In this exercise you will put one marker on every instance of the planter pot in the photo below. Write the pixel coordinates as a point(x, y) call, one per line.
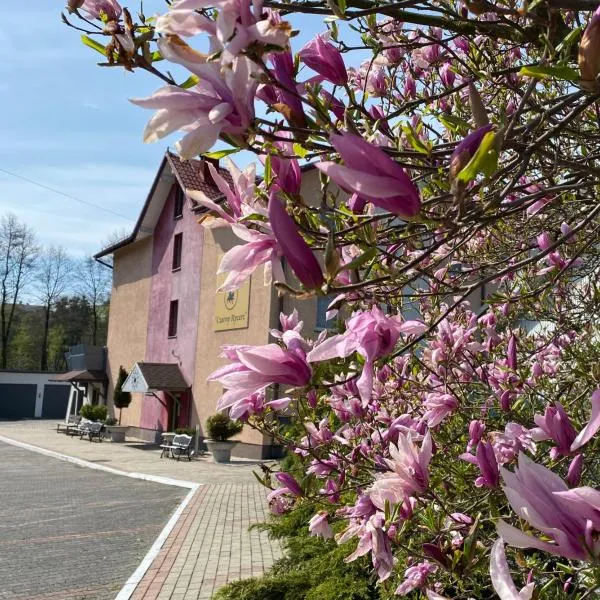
point(221, 451)
point(117, 432)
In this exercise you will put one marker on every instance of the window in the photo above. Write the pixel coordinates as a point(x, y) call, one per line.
point(178, 206)
point(322, 321)
point(173, 311)
point(177, 245)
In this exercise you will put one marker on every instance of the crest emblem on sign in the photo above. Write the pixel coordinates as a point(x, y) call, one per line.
point(231, 299)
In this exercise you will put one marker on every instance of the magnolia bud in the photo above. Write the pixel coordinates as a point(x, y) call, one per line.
point(480, 115)
point(589, 54)
point(73, 5)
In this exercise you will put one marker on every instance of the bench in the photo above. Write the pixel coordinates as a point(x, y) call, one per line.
point(72, 423)
point(95, 431)
point(180, 445)
point(78, 430)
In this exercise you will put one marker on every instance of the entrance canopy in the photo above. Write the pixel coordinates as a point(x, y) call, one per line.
point(82, 377)
point(155, 377)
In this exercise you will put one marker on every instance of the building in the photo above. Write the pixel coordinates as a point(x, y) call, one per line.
point(167, 321)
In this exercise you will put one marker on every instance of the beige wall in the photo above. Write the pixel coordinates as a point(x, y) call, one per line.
point(209, 342)
point(128, 319)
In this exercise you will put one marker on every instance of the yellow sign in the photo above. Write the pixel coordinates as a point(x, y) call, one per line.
point(231, 308)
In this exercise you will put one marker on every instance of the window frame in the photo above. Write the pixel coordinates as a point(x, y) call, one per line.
point(173, 319)
point(177, 252)
point(178, 203)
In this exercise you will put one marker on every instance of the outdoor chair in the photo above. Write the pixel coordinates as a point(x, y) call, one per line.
point(95, 431)
point(78, 430)
point(181, 445)
point(72, 423)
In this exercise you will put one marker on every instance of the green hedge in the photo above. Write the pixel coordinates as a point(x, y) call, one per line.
point(312, 568)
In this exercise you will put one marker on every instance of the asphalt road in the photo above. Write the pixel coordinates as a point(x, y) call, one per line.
point(68, 532)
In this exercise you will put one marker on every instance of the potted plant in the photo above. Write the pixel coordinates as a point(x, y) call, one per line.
point(121, 400)
point(220, 428)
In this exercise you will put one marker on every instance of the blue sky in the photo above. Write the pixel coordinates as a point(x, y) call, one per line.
point(67, 123)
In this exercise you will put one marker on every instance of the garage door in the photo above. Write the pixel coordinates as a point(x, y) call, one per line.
point(17, 400)
point(56, 398)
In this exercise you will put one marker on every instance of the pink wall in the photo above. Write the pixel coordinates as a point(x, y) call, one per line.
point(182, 285)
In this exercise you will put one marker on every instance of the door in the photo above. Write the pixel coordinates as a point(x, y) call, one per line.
point(17, 400)
point(56, 398)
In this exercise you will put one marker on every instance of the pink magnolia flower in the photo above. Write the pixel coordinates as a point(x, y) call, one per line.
point(286, 168)
point(324, 58)
point(253, 404)
point(410, 87)
point(333, 104)
point(590, 430)
point(485, 459)
point(569, 518)
point(500, 576)
point(466, 149)
point(447, 75)
point(369, 172)
point(544, 241)
point(373, 539)
point(408, 473)
point(253, 368)
point(184, 22)
point(239, 23)
point(296, 251)
point(589, 60)
point(319, 526)
point(94, 8)
point(289, 482)
point(511, 355)
point(284, 92)
point(575, 470)
point(370, 333)
point(218, 103)
point(555, 425)
point(240, 197)
point(438, 406)
point(415, 577)
point(241, 261)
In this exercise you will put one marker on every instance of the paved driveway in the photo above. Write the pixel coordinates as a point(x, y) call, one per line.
point(68, 532)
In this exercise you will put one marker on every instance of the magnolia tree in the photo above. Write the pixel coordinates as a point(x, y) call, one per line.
point(449, 426)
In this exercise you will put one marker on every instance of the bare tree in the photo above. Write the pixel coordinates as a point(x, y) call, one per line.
point(94, 285)
point(118, 235)
point(18, 254)
point(52, 282)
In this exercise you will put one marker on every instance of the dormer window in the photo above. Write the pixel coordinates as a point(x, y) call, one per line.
point(178, 205)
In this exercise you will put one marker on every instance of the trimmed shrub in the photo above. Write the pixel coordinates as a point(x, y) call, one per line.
point(220, 427)
point(97, 412)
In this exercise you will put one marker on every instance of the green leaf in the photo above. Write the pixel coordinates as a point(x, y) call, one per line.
point(414, 141)
point(268, 176)
point(157, 56)
point(361, 260)
point(93, 44)
point(569, 39)
point(555, 72)
point(455, 124)
point(219, 154)
point(190, 82)
point(299, 150)
point(485, 160)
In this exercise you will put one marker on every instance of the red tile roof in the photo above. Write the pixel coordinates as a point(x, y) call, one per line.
point(194, 175)
point(191, 175)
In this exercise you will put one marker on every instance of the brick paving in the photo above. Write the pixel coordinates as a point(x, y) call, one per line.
point(210, 544)
point(72, 532)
